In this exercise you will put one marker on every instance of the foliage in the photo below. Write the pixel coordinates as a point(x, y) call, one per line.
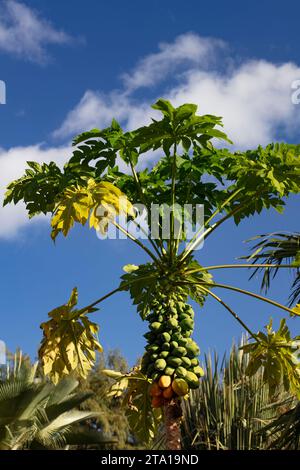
point(111, 419)
point(274, 249)
point(133, 387)
point(39, 415)
point(279, 355)
point(78, 204)
point(70, 340)
point(230, 410)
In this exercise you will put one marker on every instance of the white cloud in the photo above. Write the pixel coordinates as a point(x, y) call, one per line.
point(254, 96)
point(12, 165)
point(24, 33)
point(187, 49)
point(97, 110)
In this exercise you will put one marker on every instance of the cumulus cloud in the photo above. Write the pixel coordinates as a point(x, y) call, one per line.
point(187, 50)
point(12, 166)
point(253, 96)
point(25, 34)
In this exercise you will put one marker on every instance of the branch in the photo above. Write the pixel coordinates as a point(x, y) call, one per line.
point(251, 294)
point(232, 266)
point(235, 316)
point(135, 240)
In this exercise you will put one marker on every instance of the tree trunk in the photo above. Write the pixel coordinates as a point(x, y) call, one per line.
point(173, 415)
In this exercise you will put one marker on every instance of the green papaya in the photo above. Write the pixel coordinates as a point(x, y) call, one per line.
point(172, 323)
point(164, 354)
point(160, 364)
point(166, 337)
point(180, 351)
point(174, 361)
point(181, 371)
point(169, 371)
point(187, 324)
point(192, 379)
point(198, 371)
point(155, 326)
point(186, 362)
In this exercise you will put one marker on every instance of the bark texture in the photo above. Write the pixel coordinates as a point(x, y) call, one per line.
point(173, 416)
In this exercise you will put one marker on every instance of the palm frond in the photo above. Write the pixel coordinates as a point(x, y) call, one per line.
point(277, 248)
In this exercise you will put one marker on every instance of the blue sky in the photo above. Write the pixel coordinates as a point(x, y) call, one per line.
point(68, 69)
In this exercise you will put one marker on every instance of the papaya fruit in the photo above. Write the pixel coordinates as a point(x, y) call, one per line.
point(155, 390)
point(187, 324)
point(164, 381)
point(155, 326)
point(164, 354)
point(160, 364)
point(166, 338)
point(186, 362)
point(180, 351)
point(157, 402)
point(198, 371)
point(180, 387)
point(172, 323)
point(169, 371)
point(174, 361)
point(168, 393)
point(181, 371)
point(192, 379)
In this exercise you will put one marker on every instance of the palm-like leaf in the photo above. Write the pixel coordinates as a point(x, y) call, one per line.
point(277, 248)
point(230, 409)
point(37, 414)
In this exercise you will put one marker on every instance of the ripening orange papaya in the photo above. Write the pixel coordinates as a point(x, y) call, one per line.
point(168, 393)
point(155, 390)
point(164, 381)
point(157, 402)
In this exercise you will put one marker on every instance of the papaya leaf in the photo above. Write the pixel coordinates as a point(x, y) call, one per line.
point(278, 354)
point(70, 341)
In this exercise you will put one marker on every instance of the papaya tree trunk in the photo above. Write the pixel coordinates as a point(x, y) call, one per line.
point(173, 417)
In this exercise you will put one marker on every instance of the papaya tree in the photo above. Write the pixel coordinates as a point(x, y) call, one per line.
point(190, 170)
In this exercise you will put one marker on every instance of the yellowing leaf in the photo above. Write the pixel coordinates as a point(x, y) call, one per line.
point(98, 202)
point(70, 341)
point(296, 310)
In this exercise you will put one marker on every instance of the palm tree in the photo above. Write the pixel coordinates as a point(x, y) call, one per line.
point(35, 414)
point(275, 249)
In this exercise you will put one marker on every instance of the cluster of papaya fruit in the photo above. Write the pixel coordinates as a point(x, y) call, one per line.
point(171, 357)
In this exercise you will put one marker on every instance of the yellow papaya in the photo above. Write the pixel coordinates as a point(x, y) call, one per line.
point(164, 381)
point(180, 387)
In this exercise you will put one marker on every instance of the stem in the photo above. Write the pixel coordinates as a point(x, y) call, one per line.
point(216, 212)
point(143, 199)
point(226, 266)
point(207, 232)
point(148, 238)
point(109, 294)
point(135, 240)
point(251, 294)
point(235, 315)
point(173, 416)
point(173, 188)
